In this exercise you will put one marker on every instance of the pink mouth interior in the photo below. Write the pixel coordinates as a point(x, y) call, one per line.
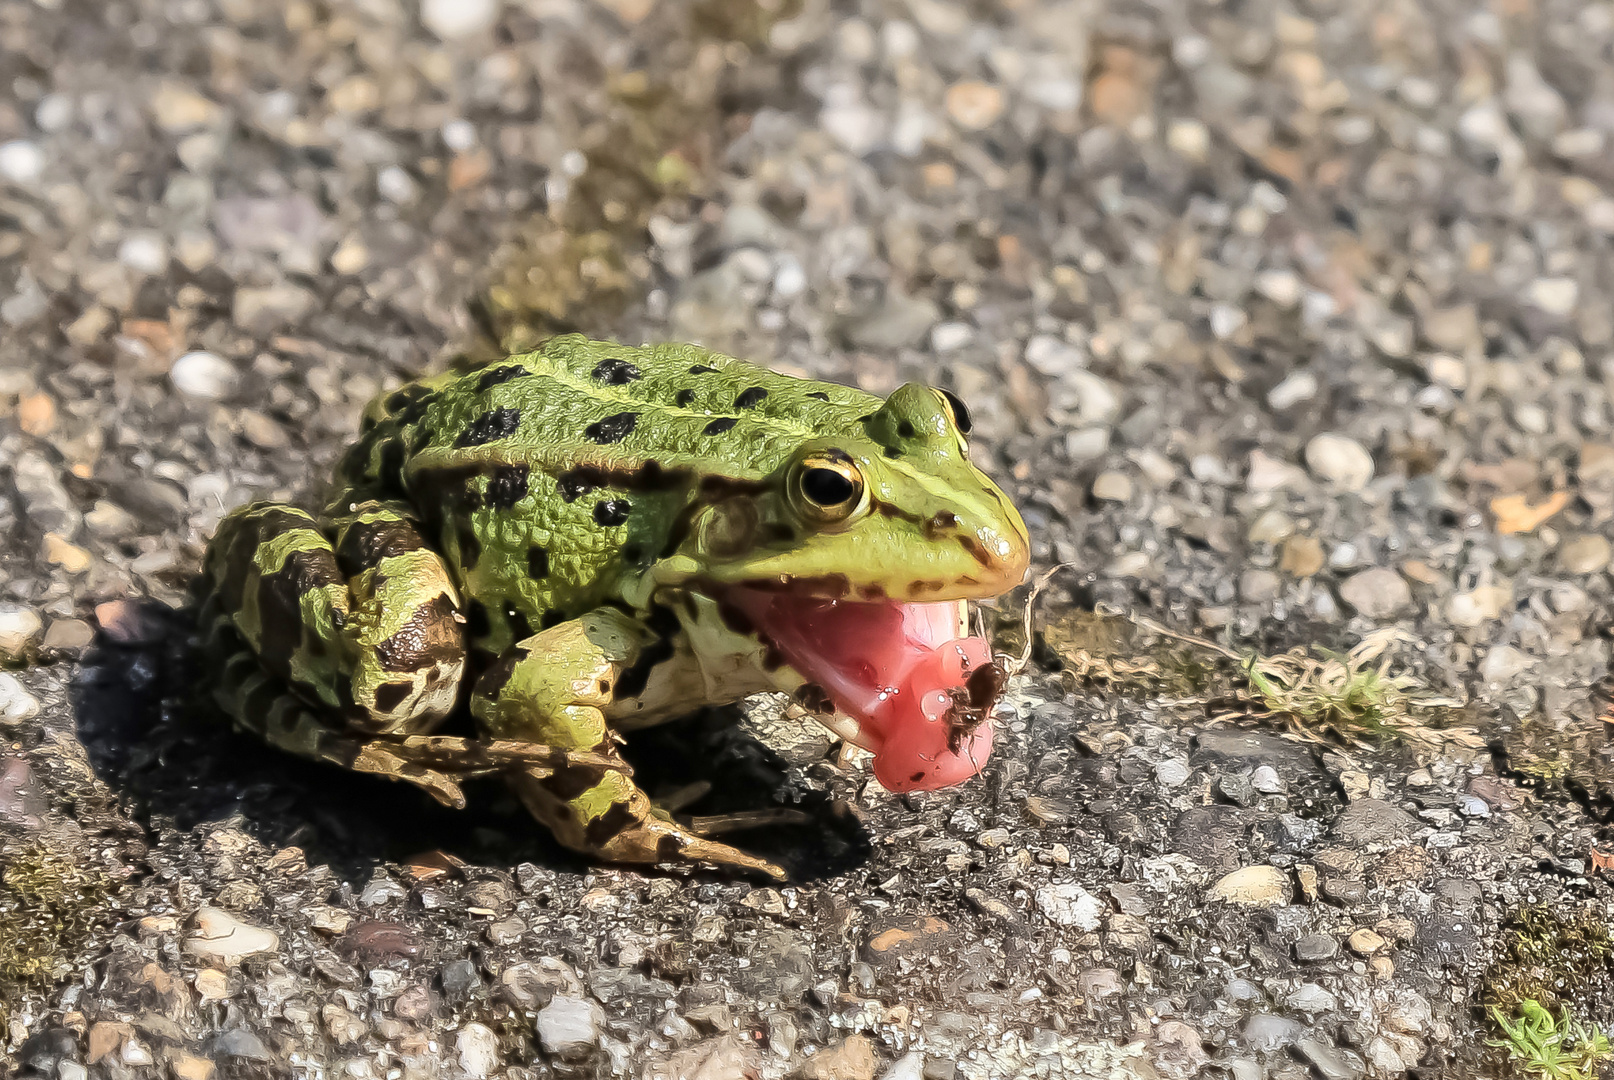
point(889, 666)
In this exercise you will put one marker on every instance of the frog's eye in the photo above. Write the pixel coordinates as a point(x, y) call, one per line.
point(827, 488)
point(961, 413)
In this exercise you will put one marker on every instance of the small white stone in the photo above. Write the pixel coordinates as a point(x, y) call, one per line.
point(1189, 138)
point(569, 1026)
point(1554, 295)
point(1447, 370)
point(910, 1066)
point(1378, 593)
point(16, 703)
point(950, 336)
point(54, 112)
point(450, 19)
point(1252, 886)
point(146, 252)
point(1340, 461)
point(789, 278)
point(1069, 904)
point(1586, 554)
point(1172, 773)
point(223, 938)
point(1578, 143)
point(20, 631)
point(1266, 780)
point(21, 161)
point(1297, 387)
point(478, 1050)
point(1093, 399)
point(1053, 356)
point(459, 135)
point(204, 375)
point(1267, 473)
point(1113, 487)
point(1282, 287)
point(1226, 320)
point(1503, 664)
point(396, 185)
point(1085, 444)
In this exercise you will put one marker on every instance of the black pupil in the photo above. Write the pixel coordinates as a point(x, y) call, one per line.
point(961, 414)
point(826, 487)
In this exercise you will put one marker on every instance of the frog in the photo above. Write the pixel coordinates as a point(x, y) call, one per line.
point(554, 549)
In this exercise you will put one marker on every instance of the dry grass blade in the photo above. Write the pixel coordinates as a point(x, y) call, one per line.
point(1352, 695)
point(1316, 692)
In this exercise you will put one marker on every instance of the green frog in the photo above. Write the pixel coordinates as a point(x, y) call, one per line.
point(590, 538)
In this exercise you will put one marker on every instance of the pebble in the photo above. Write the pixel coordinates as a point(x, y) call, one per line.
point(852, 1059)
point(1172, 773)
point(1190, 138)
point(1587, 553)
point(204, 375)
point(1313, 947)
point(1555, 296)
point(146, 252)
point(21, 630)
point(453, 19)
point(478, 1050)
point(1331, 1063)
point(1311, 998)
point(1053, 356)
point(1298, 387)
point(1268, 1033)
point(186, 1066)
point(68, 634)
point(21, 161)
point(569, 1026)
point(1379, 593)
point(271, 308)
point(1252, 886)
point(1069, 904)
point(240, 1043)
point(1372, 823)
point(212, 985)
point(375, 940)
point(1340, 461)
point(226, 940)
point(69, 556)
point(974, 105)
point(1112, 487)
point(910, 1066)
point(1091, 399)
point(1099, 982)
point(1365, 942)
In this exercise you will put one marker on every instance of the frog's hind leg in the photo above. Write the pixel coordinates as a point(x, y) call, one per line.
point(553, 689)
point(363, 628)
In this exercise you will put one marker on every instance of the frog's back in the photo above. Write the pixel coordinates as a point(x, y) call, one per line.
point(546, 476)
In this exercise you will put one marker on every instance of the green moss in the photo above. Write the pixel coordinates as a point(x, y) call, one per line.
point(1554, 959)
point(1539, 1044)
point(49, 902)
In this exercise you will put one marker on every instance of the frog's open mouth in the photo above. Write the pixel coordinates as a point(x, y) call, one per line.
point(917, 690)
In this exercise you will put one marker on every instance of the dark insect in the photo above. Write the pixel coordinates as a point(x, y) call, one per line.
point(973, 703)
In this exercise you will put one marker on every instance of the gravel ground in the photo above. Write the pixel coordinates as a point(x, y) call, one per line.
point(1286, 325)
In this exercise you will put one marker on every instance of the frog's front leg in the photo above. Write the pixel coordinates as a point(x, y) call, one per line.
point(553, 688)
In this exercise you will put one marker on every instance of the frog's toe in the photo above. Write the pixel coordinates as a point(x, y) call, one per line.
point(655, 839)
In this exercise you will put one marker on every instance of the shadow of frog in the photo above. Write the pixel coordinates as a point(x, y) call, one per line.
point(154, 736)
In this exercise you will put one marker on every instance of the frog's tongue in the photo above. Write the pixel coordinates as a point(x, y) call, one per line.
point(898, 670)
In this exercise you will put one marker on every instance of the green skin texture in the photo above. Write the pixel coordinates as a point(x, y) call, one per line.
point(549, 535)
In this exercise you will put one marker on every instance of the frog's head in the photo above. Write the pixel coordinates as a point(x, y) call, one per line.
point(854, 557)
point(888, 509)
